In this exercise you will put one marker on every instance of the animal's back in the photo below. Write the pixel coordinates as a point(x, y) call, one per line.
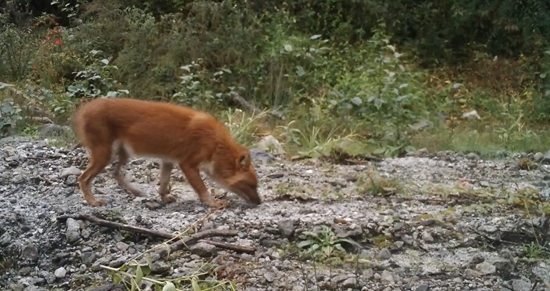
point(112, 116)
point(146, 127)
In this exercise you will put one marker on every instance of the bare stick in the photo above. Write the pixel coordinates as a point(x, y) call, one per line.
point(246, 105)
point(116, 225)
point(193, 239)
point(233, 247)
point(250, 107)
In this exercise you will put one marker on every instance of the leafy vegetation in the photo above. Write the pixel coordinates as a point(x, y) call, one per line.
point(132, 275)
point(392, 77)
point(324, 244)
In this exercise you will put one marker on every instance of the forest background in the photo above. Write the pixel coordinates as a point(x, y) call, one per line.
point(355, 76)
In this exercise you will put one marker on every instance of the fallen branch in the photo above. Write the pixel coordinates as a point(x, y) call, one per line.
point(233, 247)
point(178, 245)
point(193, 239)
point(116, 225)
point(246, 105)
point(251, 107)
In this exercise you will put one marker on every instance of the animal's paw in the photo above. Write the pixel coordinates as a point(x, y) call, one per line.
point(97, 203)
point(167, 199)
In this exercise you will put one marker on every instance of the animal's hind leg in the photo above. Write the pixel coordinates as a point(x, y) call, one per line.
point(165, 170)
point(98, 159)
point(119, 175)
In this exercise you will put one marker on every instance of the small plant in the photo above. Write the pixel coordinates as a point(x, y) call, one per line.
point(526, 164)
point(132, 274)
point(526, 197)
point(535, 251)
point(17, 50)
point(382, 241)
point(314, 135)
point(242, 126)
point(372, 183)
point(96, 80)
point(324, 244)
point(384, 92)
point(10, 112)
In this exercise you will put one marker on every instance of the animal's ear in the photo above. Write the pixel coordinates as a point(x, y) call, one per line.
point(244, 160)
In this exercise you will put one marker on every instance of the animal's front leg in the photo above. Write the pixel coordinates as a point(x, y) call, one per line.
point(195, 180)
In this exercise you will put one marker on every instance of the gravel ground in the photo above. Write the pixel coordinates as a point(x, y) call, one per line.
point(441, 221)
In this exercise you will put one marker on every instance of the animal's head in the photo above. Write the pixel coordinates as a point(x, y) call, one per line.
point(242, 180)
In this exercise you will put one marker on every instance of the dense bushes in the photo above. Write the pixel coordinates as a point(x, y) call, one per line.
point(333, 69)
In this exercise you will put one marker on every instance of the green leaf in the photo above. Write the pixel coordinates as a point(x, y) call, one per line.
point(288, 48)
point(158, 287)
point(410, 149)
point(169, 286)
point(116, 278)
point(139, 274)
point(339, 247)
point(111, 94)
point(314, 247)
point(316, 36)
point(300, 71)
point(6, 108)
point(149, 259)
point(4, 85)
point(195, 284)
point(356, 100)
point(379, 151)
point(146, 270)
point(327, 250)
point(310, 233)
point(304, 243)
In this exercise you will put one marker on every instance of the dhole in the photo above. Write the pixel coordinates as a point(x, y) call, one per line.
point(193, 140)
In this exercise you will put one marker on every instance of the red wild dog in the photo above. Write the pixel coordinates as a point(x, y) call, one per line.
point(194, 140)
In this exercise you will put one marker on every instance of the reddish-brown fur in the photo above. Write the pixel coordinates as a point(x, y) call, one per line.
point(193, 140)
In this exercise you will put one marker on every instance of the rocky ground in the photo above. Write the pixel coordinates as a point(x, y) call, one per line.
point(444, 221)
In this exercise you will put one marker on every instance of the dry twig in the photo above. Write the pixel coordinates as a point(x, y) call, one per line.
point(178, 245)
